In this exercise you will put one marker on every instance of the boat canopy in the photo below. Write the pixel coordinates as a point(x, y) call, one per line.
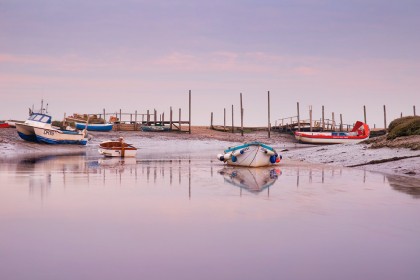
point(40, 118)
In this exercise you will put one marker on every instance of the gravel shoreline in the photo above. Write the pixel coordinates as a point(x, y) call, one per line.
point(395, 161)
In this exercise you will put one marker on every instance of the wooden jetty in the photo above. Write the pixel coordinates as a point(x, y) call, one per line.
point(134, 121)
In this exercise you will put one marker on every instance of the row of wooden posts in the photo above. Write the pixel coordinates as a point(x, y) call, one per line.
point(147, 121)
point(324, 124)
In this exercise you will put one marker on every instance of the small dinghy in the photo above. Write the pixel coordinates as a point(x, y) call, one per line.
point(253, 154)
point(117, 149)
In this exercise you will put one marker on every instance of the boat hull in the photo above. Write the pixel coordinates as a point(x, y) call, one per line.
point(328, 138)
point(254, 154)
point(26, 132)
point(254, 180)
point(4, 125)
point(95, 127)
point(54, 136)
point(155, 128)
point(115, 149)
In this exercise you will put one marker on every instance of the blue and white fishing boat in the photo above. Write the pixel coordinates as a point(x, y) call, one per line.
point(252, 154)
point(57, 136)
point(26, 129)
point(95, 127)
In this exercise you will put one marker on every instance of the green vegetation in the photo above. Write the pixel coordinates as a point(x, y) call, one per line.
point(405, 126)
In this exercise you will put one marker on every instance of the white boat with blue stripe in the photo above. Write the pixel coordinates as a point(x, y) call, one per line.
point(26, 130)
point(56, 136)
point(252, 154)
point(95, 126)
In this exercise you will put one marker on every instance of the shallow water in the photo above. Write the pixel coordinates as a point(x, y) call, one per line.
point(181, 217)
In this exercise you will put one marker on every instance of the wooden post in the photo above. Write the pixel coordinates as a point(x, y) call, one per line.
point(148, 117)
point(401, 115)
point(333, 122)
point(341, 122)
point(224, 119)
point(310, 118)
point(233, 128)
point(131, 118)
point(364, 112)
point(323, 118)
point(385, 127)
point(414, 110)
point(163, 118)
point(120, 116)
point(298, 116)
point(135, 121)
point(211, 120)
point(64, 120)
point(189, 113)
point(179, 119)
point(268, 124)
point(242, 117)
point(170, 118)
point(104, 115)
point(155, 116)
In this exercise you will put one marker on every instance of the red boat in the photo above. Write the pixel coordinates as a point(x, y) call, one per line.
point(4, 125)
point(359, 133)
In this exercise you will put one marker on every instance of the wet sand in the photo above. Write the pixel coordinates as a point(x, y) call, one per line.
point(155, 145)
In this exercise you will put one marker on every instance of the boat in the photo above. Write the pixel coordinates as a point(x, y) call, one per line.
point(12, 123)
point(360, 132)
point(117, 149)
point(58, 136)
point(95, 126)
point(253, 180)
point(36, 120)
point(4, 124)
point(252, 154)
point(156, 128)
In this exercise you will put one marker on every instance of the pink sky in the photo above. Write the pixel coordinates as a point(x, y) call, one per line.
point(134, 55)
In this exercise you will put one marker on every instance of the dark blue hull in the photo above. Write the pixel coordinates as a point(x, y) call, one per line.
point(30, 138)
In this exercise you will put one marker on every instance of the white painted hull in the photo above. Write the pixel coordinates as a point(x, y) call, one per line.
point(336, 140)
point(117, 153)
point(54, 136)
point(253, 156)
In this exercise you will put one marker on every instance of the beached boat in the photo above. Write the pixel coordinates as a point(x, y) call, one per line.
point(117, 149)
point(12, 123)
point(156, 128)
point(26, 130)
point(359, 133)
point(4, 124)
point(252, 154)
point(95, 126)
point(57, 136)
point(253, 180)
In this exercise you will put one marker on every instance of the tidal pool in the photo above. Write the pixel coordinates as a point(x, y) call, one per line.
point(84, 217)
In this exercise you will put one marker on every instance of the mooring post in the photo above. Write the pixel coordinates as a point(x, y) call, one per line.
point(341, 122)
point(332, 122)
point(323, 118)
point(385, 127)
point(310, 118)
point(414, 110)
point(120, 116)
point(104, 115)
point(179, 119)
point(170, 118)
point(211, 120)
point(298, 116)
point(135, 121)
point(242, 117)
point(233, 128)
point(268, 125)
point(224, 119)
point(364, 112)
point(189, 113)
point(401, 115)
point(163, 118)
point(148, 117)
point(155, 116)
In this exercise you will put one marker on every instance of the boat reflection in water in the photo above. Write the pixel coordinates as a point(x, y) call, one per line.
point(254, 180)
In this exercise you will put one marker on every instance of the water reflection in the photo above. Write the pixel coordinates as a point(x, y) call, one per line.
point(254, 180)
point(406, 185)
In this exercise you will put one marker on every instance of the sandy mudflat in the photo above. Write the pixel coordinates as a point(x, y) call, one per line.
point(405, 162)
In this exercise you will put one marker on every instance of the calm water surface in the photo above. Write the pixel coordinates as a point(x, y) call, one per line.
point(83, 217)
